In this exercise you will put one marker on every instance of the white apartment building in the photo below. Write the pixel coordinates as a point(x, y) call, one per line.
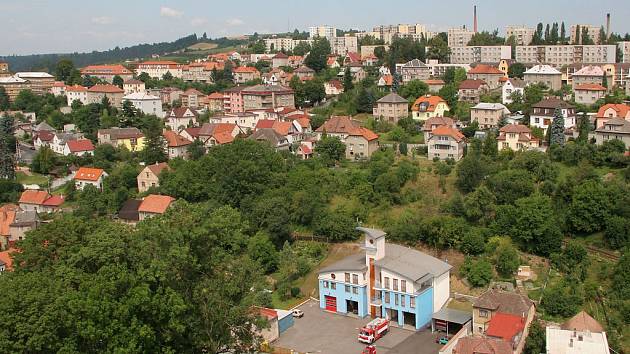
point(147, 104)
point(459, 37)
point(287, 44)
point(480, 54)
point(437, 69)
point(345, 44)
point(327, 32)
point(559, 55)
point(157, 69)
point(522, 34)
point(593, 32)
point(624, 48)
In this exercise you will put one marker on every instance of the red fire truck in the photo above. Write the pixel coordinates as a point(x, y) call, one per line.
point(374, 330)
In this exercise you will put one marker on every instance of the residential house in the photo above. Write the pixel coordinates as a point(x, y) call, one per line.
point(370, 60)
point(58, 143)
point(131, 138)
point(133, 86)
point(129, 213)
point(200, 71)
point(543, 112)
point(6, 261)
point(193, 98)
point(79, 147)
point(501, 314)
point(76, 93)
point(279, 60)
point(591, 74)
point(482, 345)
point(153, 205)
point(97, 93)
point(360, 142)
point(613, 128)
point(244, 74)
point(271, 136)
point(176, 145)
point(42, 138)
point(145, 103)
point(215, 102)
point(351, 58)
point(288, 129)
point(333, 88)
point(246, 121)
point(511, 86)
point(389, 281)
point(295, 61)
point(170, 94)
point(333, 62)
point(488, 115)
point(544, 74)
point(435, 85)
point(39, 201)
point(580, 334)
point(428, 106)
point(180, 118)
point(15, 223)
point(517, 137)
point(385, 82)
point(150, 176)
point(304, 73)
point(471, 90)
point(158, 68)
point(277, 77)
point(89, 176)
point(58, 89)
point(107, 72)
point(356, 71)
point(487, 73)
point(212, 134)
point(445, 143)
point(265, 96)
point(589, 93)
point(391, 108)
point(305, 150)
point(413, 70)
point(434, 122)
point(39, 82)
point(611, 110)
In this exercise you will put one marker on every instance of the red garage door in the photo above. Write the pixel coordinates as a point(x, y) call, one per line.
point(331, 303)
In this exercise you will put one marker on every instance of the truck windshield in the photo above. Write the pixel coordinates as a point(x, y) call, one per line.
point(365, 333)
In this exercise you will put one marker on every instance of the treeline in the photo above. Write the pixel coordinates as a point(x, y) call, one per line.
point(48, 61)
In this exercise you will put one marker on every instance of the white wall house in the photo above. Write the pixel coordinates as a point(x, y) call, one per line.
point(147, 104)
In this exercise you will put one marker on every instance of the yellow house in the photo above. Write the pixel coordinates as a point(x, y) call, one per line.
point(517, 137)
point(130, 138)
point(428, 106)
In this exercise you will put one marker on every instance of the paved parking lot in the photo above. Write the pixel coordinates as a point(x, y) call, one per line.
point(322, 332)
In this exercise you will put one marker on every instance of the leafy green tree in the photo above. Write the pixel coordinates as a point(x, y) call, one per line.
point(347, 80)
point(10, 191)
point(589, 207)
point(301, 48)
point(438, 49)
point(486, 38)
point(536, 341)
point(561, 299)
point(572, 260)
point(506, 260)
point(365, 100)
point(261, 249)
point(318, 57)
point(516, 70)
point(63, 70)
point(259, 47)
point(449, 93)
point(454, 76)
point(556, 130)
point(196, 150)
point(336, 225)
point(617, 232)
point(4, 99)
point(315, 91)
point(563, 34)
point(414, 89)
point(510, 185)
point(331, 149)
point(7, 148)
point(470, 172)
point(473, 242)
point(490, 146)
point(480, 205)
point(118, 81)
point(44, 161)
point(478, 273)
point(443, 232)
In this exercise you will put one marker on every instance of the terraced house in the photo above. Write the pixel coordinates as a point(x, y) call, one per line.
point(388, 281)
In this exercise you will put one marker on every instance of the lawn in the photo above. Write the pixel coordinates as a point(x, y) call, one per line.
point(34, 178)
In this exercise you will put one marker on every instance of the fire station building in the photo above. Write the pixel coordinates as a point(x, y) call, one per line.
point(389, 281)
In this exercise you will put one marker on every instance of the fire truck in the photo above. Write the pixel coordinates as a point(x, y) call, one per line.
point(374, 330)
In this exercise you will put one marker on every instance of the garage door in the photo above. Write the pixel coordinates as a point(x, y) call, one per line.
point(331, 303)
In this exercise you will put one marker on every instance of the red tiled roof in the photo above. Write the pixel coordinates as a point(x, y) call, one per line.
point(34, 197)
point(621, 109)
point(282, 128)
point(54, 201)
point(193, 132)
point(434, 82)
point(306, 150)
point(105, 89)
point(157, 168)
point(589, 87)
point(245, 69)
point(482, 345)
point(445, 130)
point(105, 70)
point(155, 204)
point(431, 99)
point(7, 216)
point(88, 174)
point(344, 124)
point(192, 91)
point(5, 257)
point(268, 313)
point(264, 123)
point(174, 140)
point(471, 84)
point(515, 128)
point(336, 84)
point(45, 135)
point(215, 96)
point(159, 62)
point(485, 69)
point(353, 56)
point(280, 55)
point(76, 88)
point(80, 145)
point(506, 326)
point(389, 79)
point(223, 137)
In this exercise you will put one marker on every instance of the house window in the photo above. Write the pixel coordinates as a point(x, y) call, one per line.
point(395, 284)
point(355, 290)
point(483, 313)
point(403, 286)
point(387, 298)
point(347, 275)
point(412, 302)
point(402, 300)
point(355, 279)
point(347, 288)
point(326, 284)
point(386, 282)
point(333, 286)
point(396, 299)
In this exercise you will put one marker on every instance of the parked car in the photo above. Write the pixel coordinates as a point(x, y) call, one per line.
point(298, 313)
point(442, 340)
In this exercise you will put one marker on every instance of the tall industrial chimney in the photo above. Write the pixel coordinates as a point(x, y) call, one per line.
point(608, 25)
point(475, 19)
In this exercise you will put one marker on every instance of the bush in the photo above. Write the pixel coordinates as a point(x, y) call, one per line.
point(561, 300)
point(478, 273)
point(617, 232)
point(295, 291)
point(473, 242)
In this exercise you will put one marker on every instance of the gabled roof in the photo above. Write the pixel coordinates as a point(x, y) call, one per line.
point(80, 145)
point(129, 210)
point(45, 135)
point(516, 82)
point(482, 345)
point(621, 110)
point(345, 125)
point(215, 96)
point(34, 197)
point(180, 112)
point(434, 82)
point(353, 57)
point(54, 201)
point(552, 103)
point(502, 301)
point(505, 326)
point(543, 69)
point(410, 263)
point(105, 89)
point(589, 87)
point(88, 174)
point(43, 126)
point(6, 259)
point(471, 84)
point(336, 84)
point(582, 322)
point(245, 69)
point(193, 92)
point(140, 96)
point(392, 98)
point(515, 128)
point(387, 79)
point(121, 133)
point(175, 140)
point(115, 69)
point(485, 69)
point(445, 130)
point(157, 168)
point(429, 123)
point(270, 135)
point(414, 63)
point(492, 107)
point(155, 204)
point(76, 88)
point(133, 82)
point(304, 69)
point(264, 123)
point(209, 129)
point(624, 126)
point(280, 55)
point(427, 103)
point(7, 217)
point(590, 70)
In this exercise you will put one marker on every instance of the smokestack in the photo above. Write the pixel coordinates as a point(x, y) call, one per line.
point(608, 25)
point(475, 19)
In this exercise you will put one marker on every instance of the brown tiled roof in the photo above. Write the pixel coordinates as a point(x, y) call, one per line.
point(155, 204)
point(471, 84)
point(485, 69)
point(482, 345)
point(432, 101)
point(88, 174)
point(502, 301)
point(445, 130)
point(582, 322)
point(429, 123)
point(589, 87)
point(179, 112)
point(344, 124)
point(122, 133)
point(174, 140)
point(105, 89)
point(553, 103)
point(34, 197)
point(515, 128)
point(157, 168)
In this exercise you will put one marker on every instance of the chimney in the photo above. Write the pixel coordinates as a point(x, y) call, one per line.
point(475, 19)
point(608, 25)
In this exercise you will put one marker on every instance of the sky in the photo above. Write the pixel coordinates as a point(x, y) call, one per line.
point(63, 26)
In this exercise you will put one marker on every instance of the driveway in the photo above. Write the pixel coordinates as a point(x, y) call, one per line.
point(323, 332)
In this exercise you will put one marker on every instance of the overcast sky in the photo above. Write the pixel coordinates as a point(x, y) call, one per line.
point(59, 26)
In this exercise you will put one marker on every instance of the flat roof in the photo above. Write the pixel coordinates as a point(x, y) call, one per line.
point(453, 316)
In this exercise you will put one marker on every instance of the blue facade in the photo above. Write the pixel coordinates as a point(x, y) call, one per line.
point(285, 322)
point(423, 307)
point(342, 295)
